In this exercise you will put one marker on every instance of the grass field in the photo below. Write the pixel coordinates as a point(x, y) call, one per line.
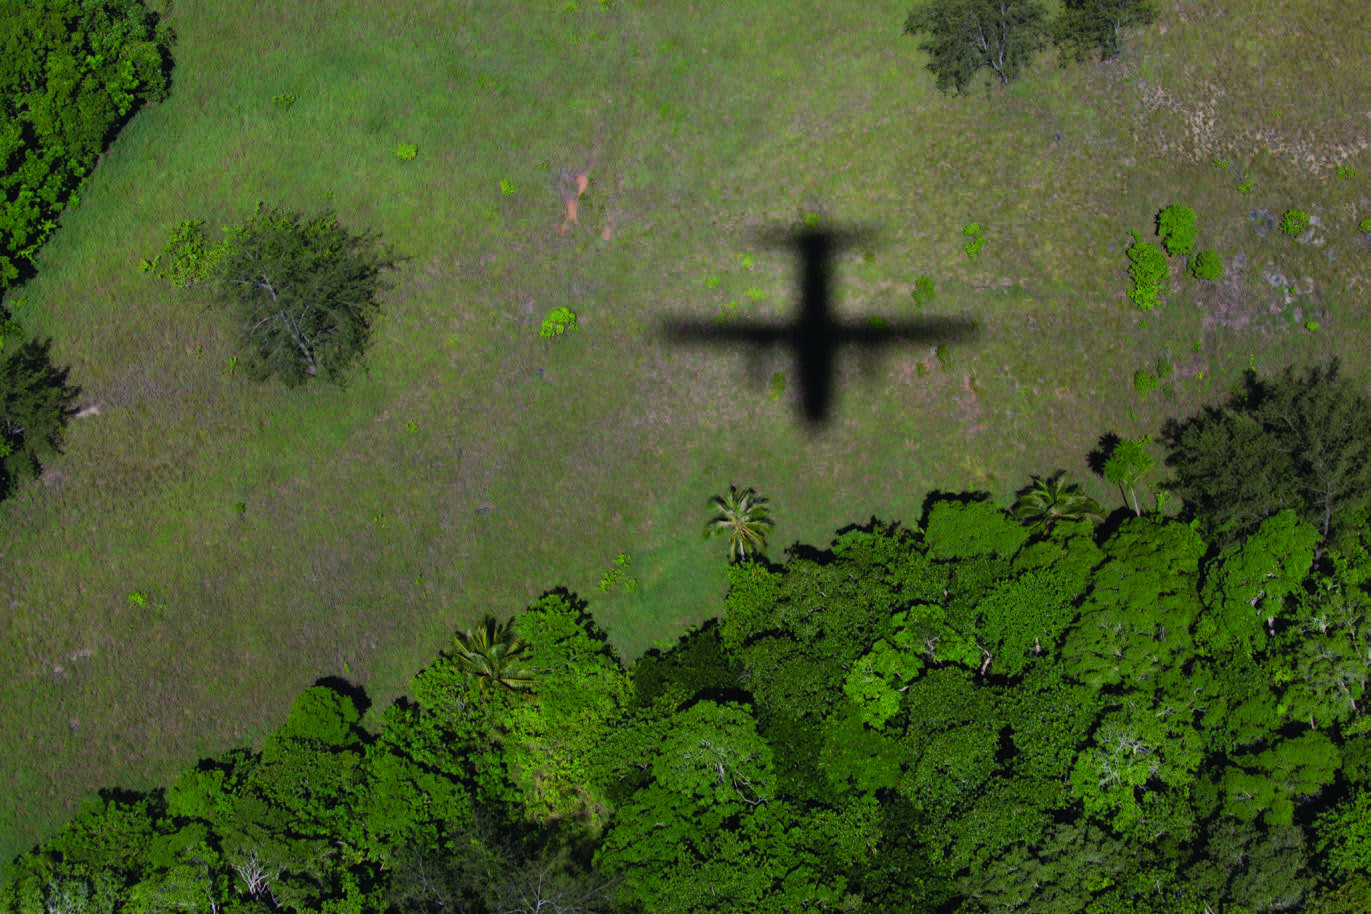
point(475, 465)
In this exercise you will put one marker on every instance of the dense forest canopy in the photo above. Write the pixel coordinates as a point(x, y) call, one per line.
point(954, 716)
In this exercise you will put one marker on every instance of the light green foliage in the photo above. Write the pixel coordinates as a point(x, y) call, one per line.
point(323, 714)
point(1294, 222)
point(1149, 272)
point(1345, 834)
point(1269, 783)
point(1023, 618)
point(1137, 753)
point(189, 257)
point(957, 529)
point(1364, 225)
point(1135, 623)
point(976, 240)
point(1207, 265)
point(875, 682)
point(1127, 463)
point(1324, 659)
point(581, 689)
point(754, 593)
point(1176, 226)
point(558, 322)
point(1144, 382)
point(1245, 590)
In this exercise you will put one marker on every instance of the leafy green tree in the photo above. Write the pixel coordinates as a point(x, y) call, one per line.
point(964, 37)
point(35, 403)
point(1344, 834)
point(958, 528)
point(581, 691)
point(1046, 502)
point(490, 655)
point(1254, 869)
point(1287, 442)
point(1088, 26)
point(1247, 588)
point(745, 518)
point(1270, 782)
point(1127, 463)
point(303, 289)
point(1176, 226)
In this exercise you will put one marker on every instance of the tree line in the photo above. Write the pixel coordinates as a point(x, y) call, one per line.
point(1001, 38)
point(979, 712)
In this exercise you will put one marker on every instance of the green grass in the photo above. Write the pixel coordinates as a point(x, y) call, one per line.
point(694, 137)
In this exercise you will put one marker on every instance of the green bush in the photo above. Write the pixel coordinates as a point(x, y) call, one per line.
point(1149, 271)
point(923, 291)
point(1364, 225)
point(1176, 226)
point(1144, 382)
point(1207, 265)
point(1294, 221)
point(558, 322)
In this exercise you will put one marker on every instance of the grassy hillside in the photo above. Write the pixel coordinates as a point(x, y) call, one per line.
point(476, 465)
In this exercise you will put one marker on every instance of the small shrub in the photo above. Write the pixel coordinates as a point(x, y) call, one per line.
point(1346, 171)
point(1164, 366)
point(406, 151)
point(1311, 325)
point(1144, 382)
point(973, 247)
point(284, 100)
point(1294, 221)
point(923, 291)
point(1245, 187)
point(1207, 265)
point(1148, 271)
point(1364, 225)
point(507, 187)
point(1176, 226)
point(558, 322)
point(1220, 163)
point(776, 389)
point(943, 356)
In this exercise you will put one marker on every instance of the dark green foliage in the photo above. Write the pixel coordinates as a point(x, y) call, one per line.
point(1207, 265)
point(303, 290)
point(35, 403)
point(1285, 442)
point(964, 37)
point(1086, 27)
point(71, 73)
point(1176, 227)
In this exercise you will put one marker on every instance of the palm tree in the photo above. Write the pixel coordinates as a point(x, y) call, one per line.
point(488, 655)
point(745, 518)
point(1049, 500)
